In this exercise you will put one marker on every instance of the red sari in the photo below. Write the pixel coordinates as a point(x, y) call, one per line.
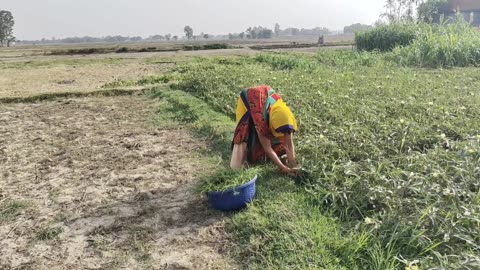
point(257, 101)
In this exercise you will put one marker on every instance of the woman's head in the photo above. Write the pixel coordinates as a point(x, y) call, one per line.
point(282, 118)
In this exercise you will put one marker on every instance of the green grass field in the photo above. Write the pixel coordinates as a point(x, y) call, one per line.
point(394, 153)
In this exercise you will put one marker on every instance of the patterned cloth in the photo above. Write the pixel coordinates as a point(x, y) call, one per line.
point(261, 110)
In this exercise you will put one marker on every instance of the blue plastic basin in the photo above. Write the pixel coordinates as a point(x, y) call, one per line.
point(235, 198)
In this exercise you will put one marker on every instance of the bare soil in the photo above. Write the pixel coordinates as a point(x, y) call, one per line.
point(94, 183)
point(24, 82)
point(15, 56)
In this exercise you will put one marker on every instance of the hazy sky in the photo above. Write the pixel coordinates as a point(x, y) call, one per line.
point(64, 18)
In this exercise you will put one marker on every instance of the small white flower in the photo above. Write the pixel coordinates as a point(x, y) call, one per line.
point(446, 237)
point(369, 221)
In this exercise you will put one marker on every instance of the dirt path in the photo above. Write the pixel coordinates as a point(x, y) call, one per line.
point(93, 183)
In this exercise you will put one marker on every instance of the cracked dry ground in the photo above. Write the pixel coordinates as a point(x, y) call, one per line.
point(94, 183)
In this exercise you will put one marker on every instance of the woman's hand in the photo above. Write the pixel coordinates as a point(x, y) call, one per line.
point(292, 163)
point(288, 163)
point(267, 147)
point(289, 171)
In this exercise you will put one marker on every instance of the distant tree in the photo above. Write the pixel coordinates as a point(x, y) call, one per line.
point(206, 36)
point(431, 10)
point(168, 37)
point(188, 32)
point(11, 40)
point(251, 33)
point(259, 32)
point(175, 38)
point(107, 39)
point(317, 31)
point(354, 28)
point(230, 36)
point(112, 39)
point(156, 37)
point(136, 39)
point(295, 31)
point(277, 30)
point(265, 33)
point(400, 10)
point(241, 35)
point(6, 27)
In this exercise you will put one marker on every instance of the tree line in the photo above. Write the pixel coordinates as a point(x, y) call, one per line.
point(255, 32)
point(396, 10)
point(259, 32)
point(107, 39)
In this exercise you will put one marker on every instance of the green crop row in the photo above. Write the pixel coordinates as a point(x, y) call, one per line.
point(394, 154)
point(448, 44)
point(386, 38)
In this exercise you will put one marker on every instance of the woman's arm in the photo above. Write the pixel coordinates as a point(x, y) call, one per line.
point(267, 147)
point(290, 147)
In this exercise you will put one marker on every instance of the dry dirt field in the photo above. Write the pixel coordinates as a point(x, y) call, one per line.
point(23, 82)
point(26, 75)
point(92, 183)
point(97, 182)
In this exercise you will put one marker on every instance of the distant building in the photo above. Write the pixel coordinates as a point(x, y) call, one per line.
point(470, 9)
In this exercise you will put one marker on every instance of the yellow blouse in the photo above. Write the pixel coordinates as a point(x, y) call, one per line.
point(281, 118)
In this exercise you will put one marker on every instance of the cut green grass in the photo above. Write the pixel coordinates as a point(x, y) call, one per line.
point(226, 179)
